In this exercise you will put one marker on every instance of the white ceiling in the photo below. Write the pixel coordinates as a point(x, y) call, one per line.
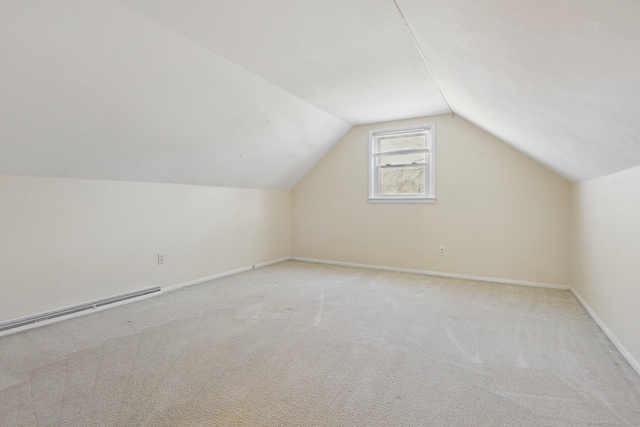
point(557, 79)
point(253, 93)
point(354, 59)
point(94, 90)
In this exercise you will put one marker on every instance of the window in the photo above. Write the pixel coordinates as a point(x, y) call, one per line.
point(401, 165)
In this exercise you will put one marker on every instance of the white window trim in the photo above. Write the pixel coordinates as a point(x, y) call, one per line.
point(373, 198)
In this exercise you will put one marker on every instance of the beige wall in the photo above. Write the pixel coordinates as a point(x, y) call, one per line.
point(499, 213)
point(67, 241)
point(606, 253)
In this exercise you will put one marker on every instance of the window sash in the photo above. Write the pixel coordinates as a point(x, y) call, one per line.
point(401, 165)
point(410, 151)
point(379, 162)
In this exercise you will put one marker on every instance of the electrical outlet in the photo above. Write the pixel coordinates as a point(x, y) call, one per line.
point(442, 251)
point(160, 259)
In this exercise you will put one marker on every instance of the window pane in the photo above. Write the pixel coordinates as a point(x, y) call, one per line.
point(402, 180)
point(401, 159)
point(403, 142)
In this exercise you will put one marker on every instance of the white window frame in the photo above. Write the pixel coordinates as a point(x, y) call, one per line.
point(430, 178)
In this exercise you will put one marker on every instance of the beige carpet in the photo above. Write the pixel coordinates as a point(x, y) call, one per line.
point(299, 344)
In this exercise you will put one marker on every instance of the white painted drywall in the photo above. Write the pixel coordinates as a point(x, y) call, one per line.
point(606, 252)
point(556, 79)
point(140, 90)
point(68, 241)
point(94, 90)
point(498, 213)
point(352, 58)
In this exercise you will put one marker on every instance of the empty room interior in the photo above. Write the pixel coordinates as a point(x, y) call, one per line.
point(319, 213)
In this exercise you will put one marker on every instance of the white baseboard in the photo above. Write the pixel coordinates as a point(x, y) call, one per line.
point(164, 290)
point(436, 273)
point(219, 275)
point(614, 340)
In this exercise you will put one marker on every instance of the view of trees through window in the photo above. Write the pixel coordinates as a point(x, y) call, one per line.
point(404, 180)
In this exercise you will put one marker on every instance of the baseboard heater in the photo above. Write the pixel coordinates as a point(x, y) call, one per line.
point(12, 324)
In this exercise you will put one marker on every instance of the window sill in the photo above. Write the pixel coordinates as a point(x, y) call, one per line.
point(402, 200)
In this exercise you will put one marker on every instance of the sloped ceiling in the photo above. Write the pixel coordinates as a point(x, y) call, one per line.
point(352, 58)
point(253, 93)
point(90, 89)
point(557, 79)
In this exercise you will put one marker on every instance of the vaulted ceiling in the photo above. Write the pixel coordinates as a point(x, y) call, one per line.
point(253, 93)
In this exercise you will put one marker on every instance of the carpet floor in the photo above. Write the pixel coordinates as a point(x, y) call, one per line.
point(301, 344)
